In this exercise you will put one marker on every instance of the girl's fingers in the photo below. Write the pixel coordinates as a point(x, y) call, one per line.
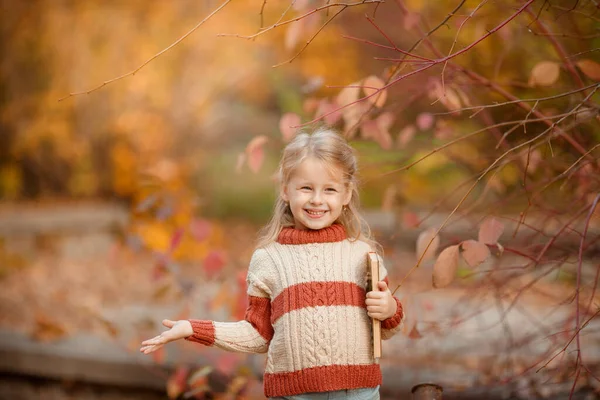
point(168, 323)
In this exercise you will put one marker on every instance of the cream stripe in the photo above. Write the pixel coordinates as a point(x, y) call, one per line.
point(349, 350)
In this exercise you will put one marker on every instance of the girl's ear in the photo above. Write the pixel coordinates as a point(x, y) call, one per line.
point(283, 193)
point(349, 190)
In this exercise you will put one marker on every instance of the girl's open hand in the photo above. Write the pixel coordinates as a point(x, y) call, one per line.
point(381, 304)
point(178, 330)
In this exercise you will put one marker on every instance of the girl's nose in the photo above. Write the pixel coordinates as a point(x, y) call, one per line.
point(316, 198)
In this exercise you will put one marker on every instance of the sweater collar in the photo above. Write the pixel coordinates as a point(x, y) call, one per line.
point(330, 234)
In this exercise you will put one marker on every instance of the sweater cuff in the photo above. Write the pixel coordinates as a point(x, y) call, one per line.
point(395, 319)
point(204, 332)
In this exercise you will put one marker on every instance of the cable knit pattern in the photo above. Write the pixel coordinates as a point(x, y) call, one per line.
point(307, 309)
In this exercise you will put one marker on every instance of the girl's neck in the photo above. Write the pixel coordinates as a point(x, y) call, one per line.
point(330, 234)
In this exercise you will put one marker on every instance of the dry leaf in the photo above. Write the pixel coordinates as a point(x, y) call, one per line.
point(544, 73)
point(414, 333)
point(288, 125)
point(590, 68)
point(255, 152)
point(330, 110)
point(423, 241)
point(474, 252)
point(445, 267)
point(405, 136)
point(293, 34)
point(176, 384)
point(348, 95)
point(371, 85)
point(490, 231)
point(47, 329)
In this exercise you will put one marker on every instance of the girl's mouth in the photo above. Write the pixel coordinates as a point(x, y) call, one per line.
point(315, 213)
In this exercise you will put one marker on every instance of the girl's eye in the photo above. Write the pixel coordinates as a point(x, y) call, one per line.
point(330, 190)
point(305, 188)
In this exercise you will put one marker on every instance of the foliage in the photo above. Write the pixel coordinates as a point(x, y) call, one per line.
point(481, 109)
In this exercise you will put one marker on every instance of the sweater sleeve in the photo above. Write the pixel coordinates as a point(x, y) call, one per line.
point(393, 324)
point(254, 332)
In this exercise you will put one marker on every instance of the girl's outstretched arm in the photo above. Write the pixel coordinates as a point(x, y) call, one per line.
point(177, 330)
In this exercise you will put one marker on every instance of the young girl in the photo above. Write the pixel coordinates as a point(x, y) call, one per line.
point(308, 307)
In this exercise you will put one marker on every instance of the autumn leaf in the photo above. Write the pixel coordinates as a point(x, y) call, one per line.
point(214, 262)
point(423, 241)
point(490, 231)
point(200, 229)
point(330, 110)
point(199, 378)
point(256, 153)
point(348, 95)
point(47, 329)
point(288, 125)
point(590, 68)
point(372, 85)
point(176, 384)
point(410, 219)
point(544, 73)
point(474, 252)
point(414, 333)
point(405, 136)
point(424, 121)
point(293, 34)
point(445, 95)
point(445, 267)
point(176, 239)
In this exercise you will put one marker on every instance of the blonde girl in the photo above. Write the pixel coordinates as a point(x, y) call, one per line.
point(308, 306)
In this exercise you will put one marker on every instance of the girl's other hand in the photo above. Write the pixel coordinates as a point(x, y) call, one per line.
point(178, 330)
point(381, 304)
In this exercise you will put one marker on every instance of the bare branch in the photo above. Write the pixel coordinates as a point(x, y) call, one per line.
point(154, 56)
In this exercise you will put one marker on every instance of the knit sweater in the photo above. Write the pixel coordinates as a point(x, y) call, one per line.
point(307, 310)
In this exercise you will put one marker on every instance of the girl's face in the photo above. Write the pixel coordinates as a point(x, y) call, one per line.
point(316, 193)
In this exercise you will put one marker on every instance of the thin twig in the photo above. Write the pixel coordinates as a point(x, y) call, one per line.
point(154, 56)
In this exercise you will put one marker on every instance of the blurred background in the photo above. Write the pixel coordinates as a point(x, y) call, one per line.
point(126, 198)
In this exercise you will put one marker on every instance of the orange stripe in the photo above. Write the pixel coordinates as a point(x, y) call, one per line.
point(313, 294)
point(322, 379)
point(258, 314)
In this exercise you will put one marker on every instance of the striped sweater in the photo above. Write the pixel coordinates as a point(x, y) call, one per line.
point(307, 310)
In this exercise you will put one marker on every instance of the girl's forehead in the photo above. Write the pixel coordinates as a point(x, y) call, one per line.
point(315, 169)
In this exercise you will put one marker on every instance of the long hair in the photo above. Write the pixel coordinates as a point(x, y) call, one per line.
point(333, 150)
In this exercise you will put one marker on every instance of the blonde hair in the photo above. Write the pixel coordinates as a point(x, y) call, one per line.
point(332, 149)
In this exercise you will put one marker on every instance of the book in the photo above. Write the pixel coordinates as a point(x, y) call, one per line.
point(373, 278)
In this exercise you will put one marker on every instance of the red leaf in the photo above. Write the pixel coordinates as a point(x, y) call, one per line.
point(200, 229)
point(490, 231)
point(414, 333)
point(423, 241)
point(425, 121)
point(176, 239)
point(445, 267)
point(373, 130)
point(256, 153)
point(287, 125)
point(474, 252)
point(214, 262)
point(176, 384)
point(410, 220)
point(590, 68)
